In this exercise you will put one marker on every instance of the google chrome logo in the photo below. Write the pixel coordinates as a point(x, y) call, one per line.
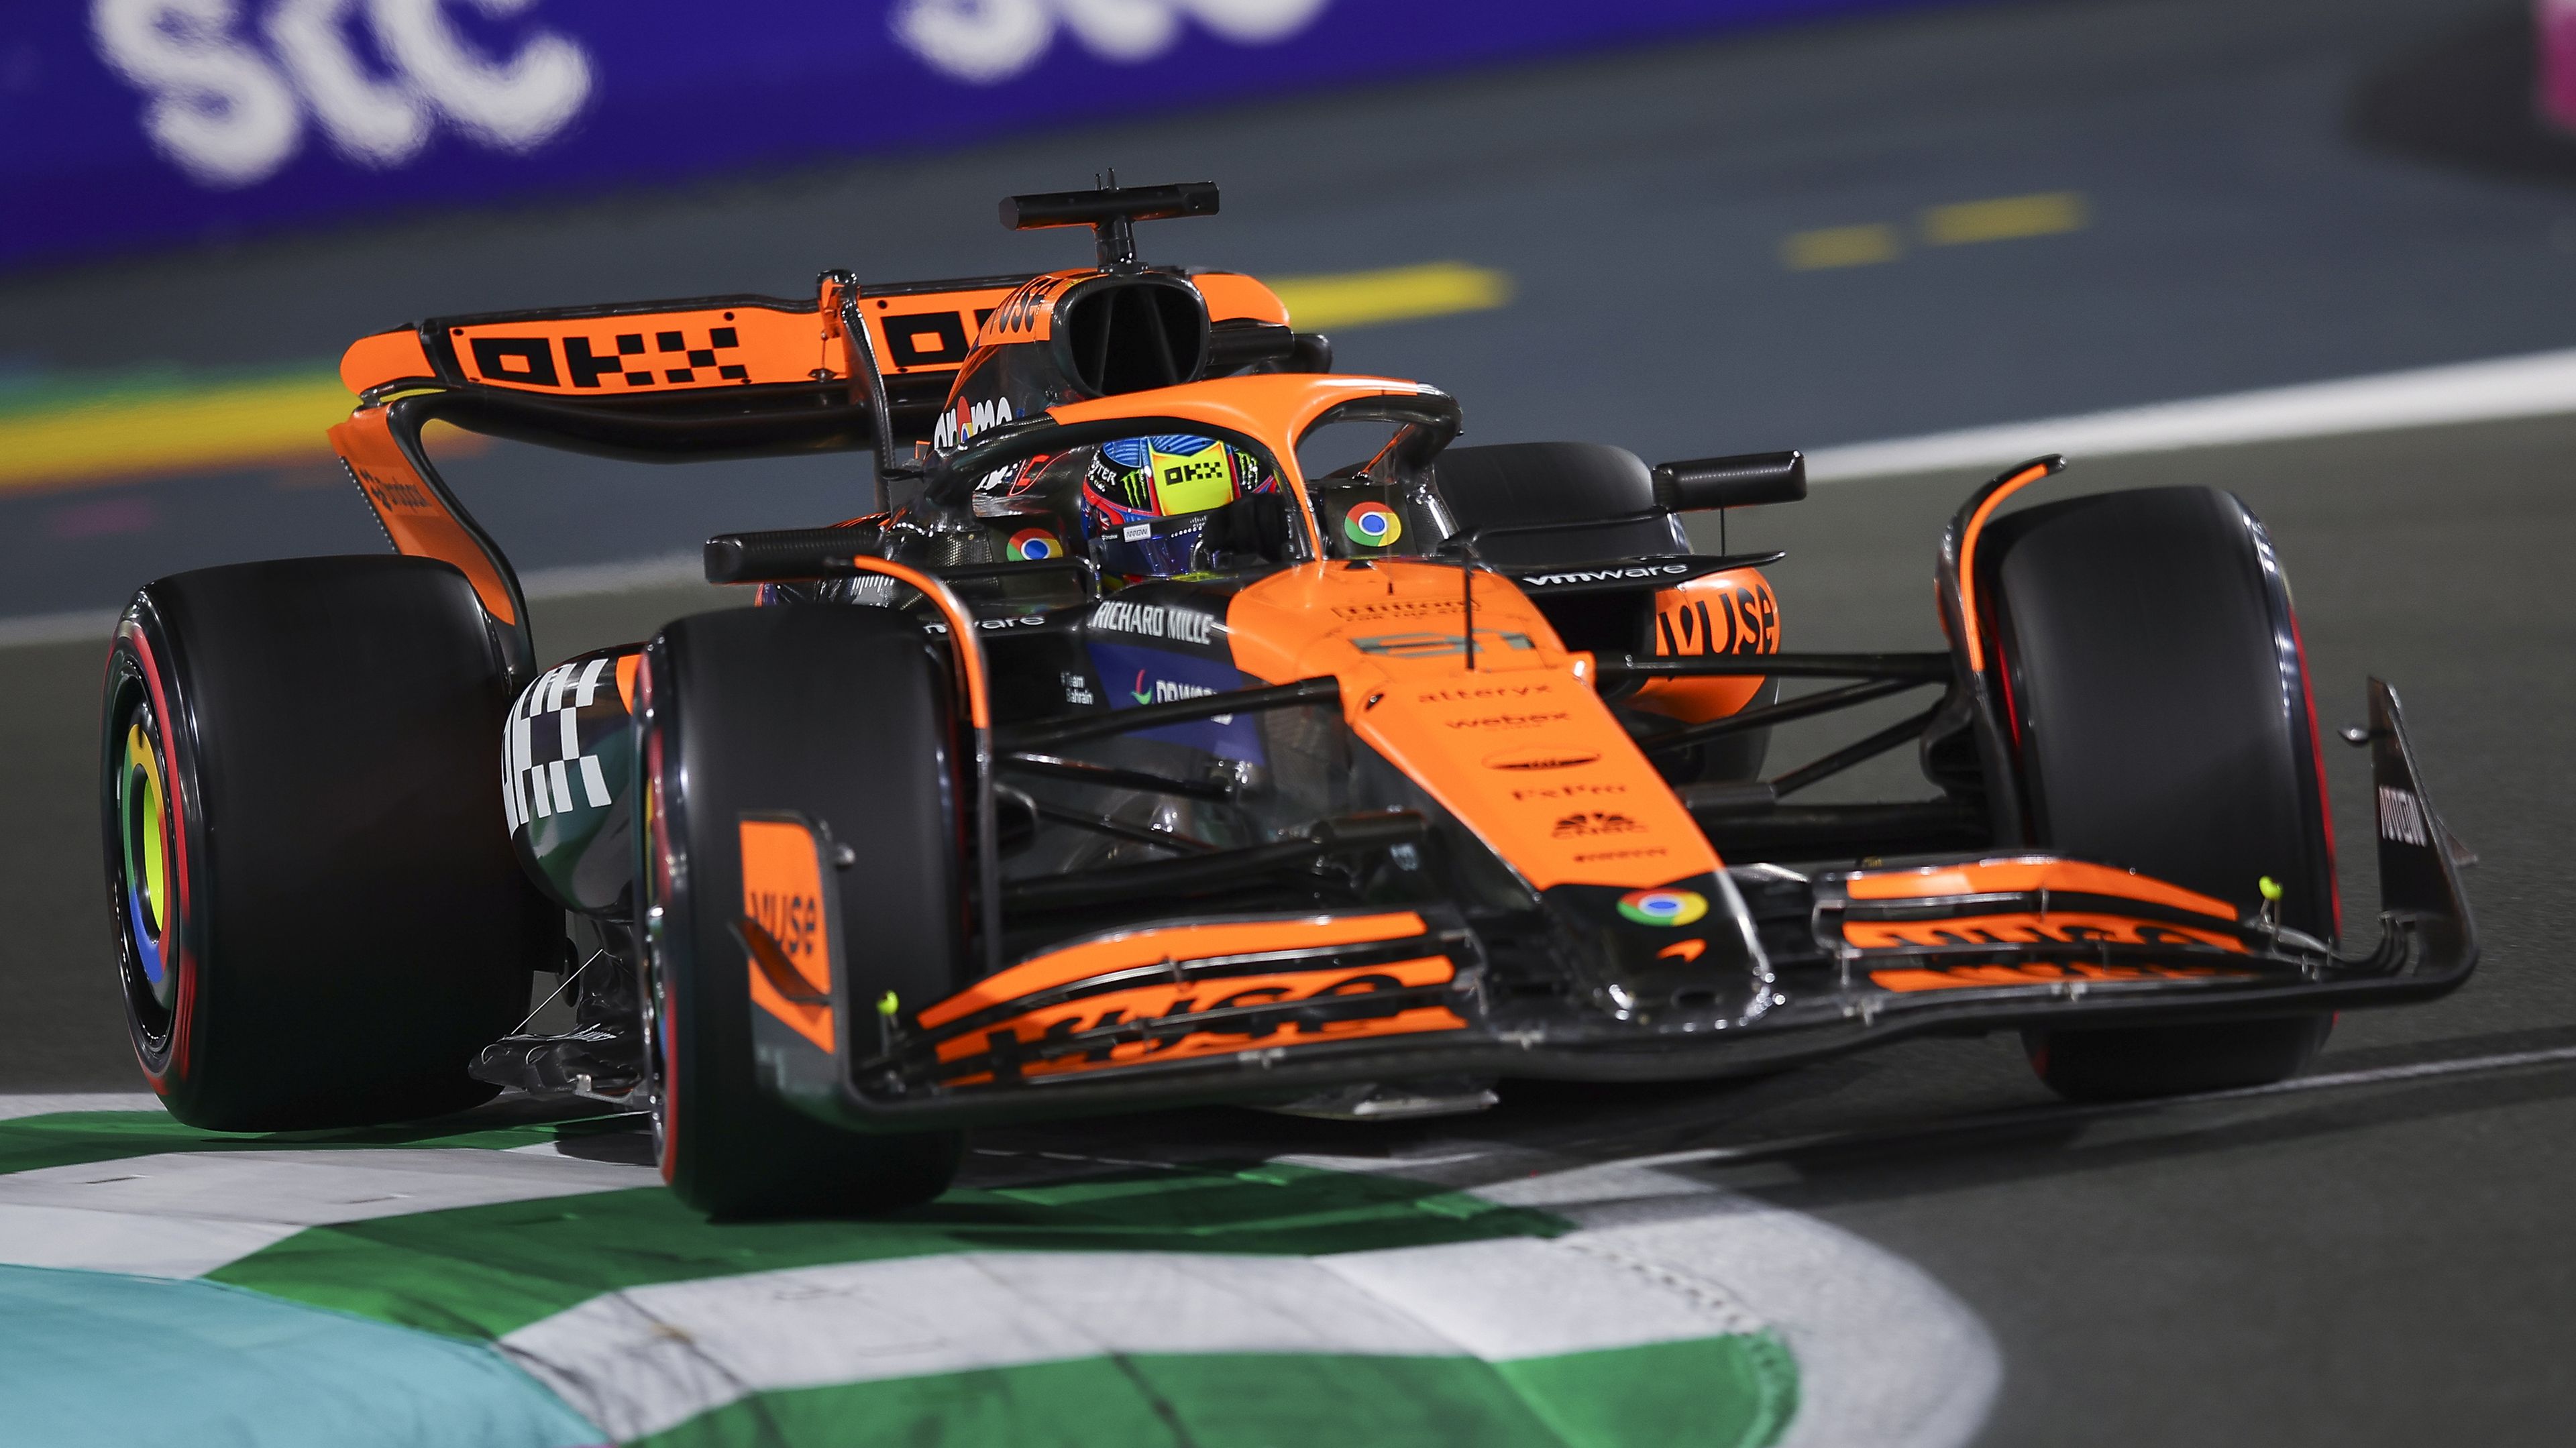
point(1372, 525)
point(1032, 545)
point(1663, 907)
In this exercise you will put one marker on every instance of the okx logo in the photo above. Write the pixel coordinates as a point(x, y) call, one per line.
point(665, 357)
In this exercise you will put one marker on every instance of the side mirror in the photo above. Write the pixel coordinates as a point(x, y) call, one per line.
point(1741, 481)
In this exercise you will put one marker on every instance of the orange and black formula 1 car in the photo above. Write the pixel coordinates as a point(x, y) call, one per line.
point(1188, 722)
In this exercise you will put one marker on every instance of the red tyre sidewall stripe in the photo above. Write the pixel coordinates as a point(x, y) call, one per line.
point(183, 958)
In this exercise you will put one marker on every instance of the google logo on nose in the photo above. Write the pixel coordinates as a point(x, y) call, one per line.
point(1372, 525)
point(1663, 907)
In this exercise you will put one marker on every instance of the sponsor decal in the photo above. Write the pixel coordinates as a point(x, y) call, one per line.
point(1164, 691)
point(1594, 822)
point(1021, 311)
point(1540, 758)
point(1033, 545)
point(545, 768)
point(987, 625)
point(1138, 675)
point(1399, 608)
point(1508, 721)
point(394, 493)
point(1372, 525)
point(1486, 691)
point(1153, 621)
point(990, 41)
point(1713, 618)
point(2401, 818)
point(1663, 907)
point(1962, 977)
point(1603, 575)
point(965, 419)
point(782, 893)
point(1595, 856)
point(681, 356)
point(1440, 645)
point(1315, 1005)
point(1077, 689)
point(2058, 927)
point(1569, 791)
point(231, 112)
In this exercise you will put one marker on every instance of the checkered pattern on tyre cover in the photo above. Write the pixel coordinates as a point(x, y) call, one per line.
point(545, 770)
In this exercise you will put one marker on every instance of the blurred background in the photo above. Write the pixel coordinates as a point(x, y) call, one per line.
point(2319, 252)
point(1685, 226)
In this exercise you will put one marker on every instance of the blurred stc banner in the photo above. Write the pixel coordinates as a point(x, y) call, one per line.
point(134, 122)
point(2556, 83)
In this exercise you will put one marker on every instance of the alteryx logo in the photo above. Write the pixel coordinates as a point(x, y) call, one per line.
point(985, 42)
point(233, 89)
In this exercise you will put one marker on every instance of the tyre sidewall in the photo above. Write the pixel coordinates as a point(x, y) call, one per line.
point(839, 715)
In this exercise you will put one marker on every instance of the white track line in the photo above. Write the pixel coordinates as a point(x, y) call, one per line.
point(581, 580)
point(183, 1214)
point(2538, 385)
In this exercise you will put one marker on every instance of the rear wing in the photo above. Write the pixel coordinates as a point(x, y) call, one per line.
point(675, 381)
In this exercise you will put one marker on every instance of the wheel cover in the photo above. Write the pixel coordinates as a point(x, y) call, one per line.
point(146, 875)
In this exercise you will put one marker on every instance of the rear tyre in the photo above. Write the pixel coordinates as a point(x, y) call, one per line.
point(839, 714)
point(319, 921)
point(2158, 697)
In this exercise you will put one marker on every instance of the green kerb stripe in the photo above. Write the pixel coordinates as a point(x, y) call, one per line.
point(481, 1272)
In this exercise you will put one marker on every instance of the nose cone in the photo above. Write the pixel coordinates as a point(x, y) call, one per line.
point(1677, 954)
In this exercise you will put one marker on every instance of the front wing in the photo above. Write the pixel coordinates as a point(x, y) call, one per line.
point(1269, 1008)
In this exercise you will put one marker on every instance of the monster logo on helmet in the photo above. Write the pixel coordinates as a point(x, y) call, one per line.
point(1146, 500)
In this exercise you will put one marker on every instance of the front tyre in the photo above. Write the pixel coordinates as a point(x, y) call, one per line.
point(2158, 700)
point(839, 715)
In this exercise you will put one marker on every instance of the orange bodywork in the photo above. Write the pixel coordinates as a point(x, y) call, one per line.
point(2016, 876)
point(1975, 641)
point(679, 351)
point(1723, 613)
point(2057, 927)
point(1129, 949)
point(1517, 746)
point(926, 331)
point(1987, 977)
point(1513, 741)
point(782, 890)
point(1165, 1000)
point(414, 516)
point(394, 356)
point(1232, 296)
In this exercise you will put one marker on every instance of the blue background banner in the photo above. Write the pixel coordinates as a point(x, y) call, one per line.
point(136, 122)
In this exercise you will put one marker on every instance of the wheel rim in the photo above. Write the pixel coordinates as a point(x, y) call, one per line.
point(147, 871)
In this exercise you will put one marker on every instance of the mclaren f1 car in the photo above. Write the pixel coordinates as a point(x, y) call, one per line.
point(1188, 722)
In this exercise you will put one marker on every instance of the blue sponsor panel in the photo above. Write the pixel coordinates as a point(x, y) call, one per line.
point(1135, 676)
point(132, 122)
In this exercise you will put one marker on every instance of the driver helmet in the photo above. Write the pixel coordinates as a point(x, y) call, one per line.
point(1147, 501)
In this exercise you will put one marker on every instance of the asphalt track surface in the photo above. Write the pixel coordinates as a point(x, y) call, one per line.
point(2376, 1262)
